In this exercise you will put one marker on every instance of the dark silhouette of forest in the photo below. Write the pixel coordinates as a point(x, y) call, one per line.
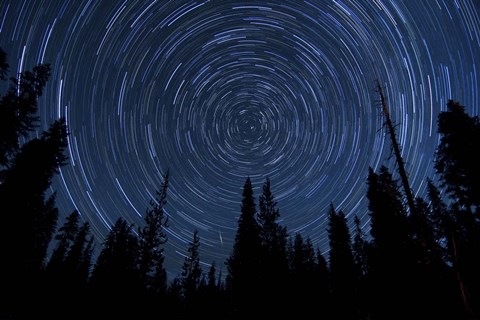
point(418, 261)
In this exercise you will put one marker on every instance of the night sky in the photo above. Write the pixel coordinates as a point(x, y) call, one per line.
point(217, 91)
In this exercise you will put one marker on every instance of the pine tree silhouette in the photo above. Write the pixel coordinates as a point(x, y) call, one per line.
point(342, 269)
point(245, 259)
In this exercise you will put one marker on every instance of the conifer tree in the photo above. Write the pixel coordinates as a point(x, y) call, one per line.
point(191, 269)
point(391, 261)
point(191, 274)
point(433, 277)
point(273, 237)
point(151, 238)
point(455, 162)
point(115, 273)
point(174, 299)
point(78, 261)
point(245, 259)
point(457, 166)
point(342, 269)
point(267, 219)
point(18, 107)
point(211, 280)
point(305, 287)
point(322, 285)
point(361, 250)
point(209, 299)
point(23, 192)
point(26, 173)
point(449, 234)
point(24, 188)
point(65, 237)
point(77, 265)
point(296, 254)
point(67, 271)
point(297, 277)
point(55, 273)
point(443, 221)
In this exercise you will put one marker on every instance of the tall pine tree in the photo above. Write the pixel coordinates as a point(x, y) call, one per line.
point(26, 172)
point(191, 275)
point(274, 264)
point(115, 273)
point(151, 239)
point(454, 160)
point(78, 261)
point(361, 251)
point(459, 174)
point(245, 260)
point(65, 237)
point(30, 212)
point(391, 262)
point(68, 269)
point(342, 268)
point(18, 107)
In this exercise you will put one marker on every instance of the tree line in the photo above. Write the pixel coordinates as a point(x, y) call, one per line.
point(417, 261)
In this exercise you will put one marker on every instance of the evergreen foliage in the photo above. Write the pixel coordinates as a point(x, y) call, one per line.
point(245, 260)
point(413, 264)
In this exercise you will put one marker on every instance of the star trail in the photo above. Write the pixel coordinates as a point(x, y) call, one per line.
point(216, 91)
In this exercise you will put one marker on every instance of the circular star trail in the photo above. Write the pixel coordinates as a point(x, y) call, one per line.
point(215, 91)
